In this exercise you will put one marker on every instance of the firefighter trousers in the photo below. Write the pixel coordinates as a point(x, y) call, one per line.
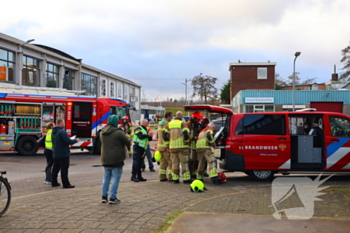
point(206, 156)
point(178, 158)
point(165, 163)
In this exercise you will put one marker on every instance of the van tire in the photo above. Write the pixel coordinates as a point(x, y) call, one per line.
point(261, 175)
point(27, 146)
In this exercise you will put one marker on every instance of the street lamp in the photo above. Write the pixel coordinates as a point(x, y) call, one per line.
point(296, 55)
point(17, 65)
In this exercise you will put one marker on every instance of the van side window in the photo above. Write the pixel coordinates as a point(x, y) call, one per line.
point(269, 124)
point(340, 126)
point(239, 127)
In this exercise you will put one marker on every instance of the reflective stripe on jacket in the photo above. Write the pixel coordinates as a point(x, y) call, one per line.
point(140, 142)
point(176, 135)
point(162, 144)
point(203, 141)
point(48, 140)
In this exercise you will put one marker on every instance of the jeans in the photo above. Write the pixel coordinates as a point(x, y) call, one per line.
point(114, 173)
point(149, 158)
point(49, 162)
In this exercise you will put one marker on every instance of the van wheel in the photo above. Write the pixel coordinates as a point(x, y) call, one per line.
point(261, 175)
point(27, 145)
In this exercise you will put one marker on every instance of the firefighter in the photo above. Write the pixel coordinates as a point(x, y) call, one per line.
point(205, 154)
point(194, 125)
point(128, 130)
point(163, 148)
point(141, 138)
point(178, 135)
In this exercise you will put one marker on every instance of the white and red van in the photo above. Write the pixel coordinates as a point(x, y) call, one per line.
point(262, 144)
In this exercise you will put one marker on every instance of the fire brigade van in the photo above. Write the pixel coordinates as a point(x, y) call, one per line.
point(24, 118)
point(265, 143)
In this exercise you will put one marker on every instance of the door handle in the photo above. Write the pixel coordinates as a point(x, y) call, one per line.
point(334, 140)
point(281, 139)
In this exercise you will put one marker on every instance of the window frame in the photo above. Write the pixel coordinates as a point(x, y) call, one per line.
point(261, 76)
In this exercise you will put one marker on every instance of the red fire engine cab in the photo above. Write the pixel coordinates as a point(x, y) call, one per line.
point(265, 143)
point(24, 117)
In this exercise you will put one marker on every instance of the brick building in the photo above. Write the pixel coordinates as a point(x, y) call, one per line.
point(252, 76)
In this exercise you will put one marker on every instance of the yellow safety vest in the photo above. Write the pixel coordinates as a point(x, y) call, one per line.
point(48, 140)
point(162, 144)
point(203, 141)
point(176, 135)
point(140, 142)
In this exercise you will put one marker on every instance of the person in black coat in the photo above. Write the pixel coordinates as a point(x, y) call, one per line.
point(61, 154)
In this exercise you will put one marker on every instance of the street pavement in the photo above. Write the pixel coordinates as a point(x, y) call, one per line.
point(240, 205)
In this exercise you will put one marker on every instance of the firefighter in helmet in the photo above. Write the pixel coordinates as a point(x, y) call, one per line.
point(194, 125)
point(163, 148)
point(178, 135)
point(205, 154)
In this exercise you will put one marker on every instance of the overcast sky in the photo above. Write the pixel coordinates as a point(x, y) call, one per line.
point(160, 43)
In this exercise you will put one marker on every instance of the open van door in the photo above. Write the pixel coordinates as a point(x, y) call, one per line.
point(222, 122)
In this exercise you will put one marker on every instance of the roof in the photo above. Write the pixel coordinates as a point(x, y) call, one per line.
point(251, 64)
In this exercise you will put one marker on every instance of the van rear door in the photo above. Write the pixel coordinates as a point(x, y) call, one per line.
point(222, 123)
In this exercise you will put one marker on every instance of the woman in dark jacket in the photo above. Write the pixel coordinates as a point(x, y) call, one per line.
point(113, 154)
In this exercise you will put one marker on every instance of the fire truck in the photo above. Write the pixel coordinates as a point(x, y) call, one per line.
point(24, 117)
point(265, 143)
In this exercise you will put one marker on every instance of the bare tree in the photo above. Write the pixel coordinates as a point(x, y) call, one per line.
point(346, 60)
point(289, 81)
point(204, 87)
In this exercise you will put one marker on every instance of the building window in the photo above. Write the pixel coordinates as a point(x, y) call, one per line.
point(112, 89)
point(259, 108)
point(262, 73)
point(30, 71)
point(51, 75)
point(6, 65)
point(119, 91)
point(103, 87)
point(126, 92)
point(88, 83)
point(68, 79)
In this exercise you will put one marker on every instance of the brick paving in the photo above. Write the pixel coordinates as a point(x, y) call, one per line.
point(145, 206)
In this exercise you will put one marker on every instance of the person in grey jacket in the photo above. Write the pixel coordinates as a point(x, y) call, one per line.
point(113, 153)
point(61, 154)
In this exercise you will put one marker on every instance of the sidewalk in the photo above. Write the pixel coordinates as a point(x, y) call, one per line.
point(146, 205)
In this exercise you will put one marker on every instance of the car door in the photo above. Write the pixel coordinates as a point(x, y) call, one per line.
point(266, 142)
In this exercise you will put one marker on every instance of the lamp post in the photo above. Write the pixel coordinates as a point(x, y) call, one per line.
point(17, 63)
point(296, 55)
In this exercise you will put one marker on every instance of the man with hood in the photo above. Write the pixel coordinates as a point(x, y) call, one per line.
point(113, 153)
point(61, 154)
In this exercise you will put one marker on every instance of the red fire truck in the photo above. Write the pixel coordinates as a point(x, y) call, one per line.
point(23, 118)
point(262, 144)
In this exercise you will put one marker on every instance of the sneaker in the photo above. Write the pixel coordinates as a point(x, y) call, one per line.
point(113, 201)
point(47, 182)
point(104, 199)
point(69, 187)
point(176, 181)
point(163, 180)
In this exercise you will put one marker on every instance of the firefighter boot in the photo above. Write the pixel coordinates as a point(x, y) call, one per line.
point(140, 178)
point(134, 178)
